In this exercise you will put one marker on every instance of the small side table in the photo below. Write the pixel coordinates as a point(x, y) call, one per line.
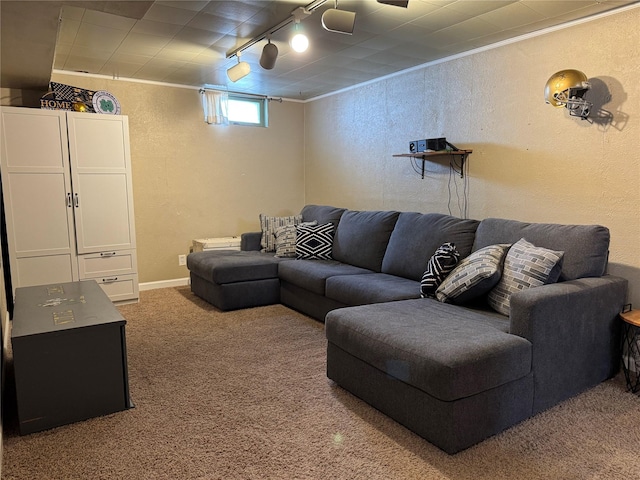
point(631, 349)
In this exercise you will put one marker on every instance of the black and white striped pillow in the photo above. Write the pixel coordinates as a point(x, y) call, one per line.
point(441, 263)
point(314, 242)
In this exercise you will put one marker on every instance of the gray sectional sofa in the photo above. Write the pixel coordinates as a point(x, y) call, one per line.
point(454, 372)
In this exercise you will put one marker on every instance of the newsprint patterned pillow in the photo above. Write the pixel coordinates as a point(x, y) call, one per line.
point(474, 276)
point(439, 266)
point(286, 239)
point(269, 226)
point(525, 266)
point(314, 242)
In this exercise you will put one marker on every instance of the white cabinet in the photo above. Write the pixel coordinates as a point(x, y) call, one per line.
point(66, 180)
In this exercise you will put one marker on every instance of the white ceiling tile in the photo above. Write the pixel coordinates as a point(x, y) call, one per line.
point(165, 14)
point(102, 19)
point(72, 13)
point(68, 31)
point(159, 29)
point(98, 37)
point(511, 16)
point(140, 44)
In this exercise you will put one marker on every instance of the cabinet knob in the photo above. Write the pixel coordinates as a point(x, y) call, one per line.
point(110, 280)
point(107, 254)
point(69, 204)
point(76, 200)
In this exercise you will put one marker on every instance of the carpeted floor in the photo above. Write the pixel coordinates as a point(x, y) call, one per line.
point(244, 395)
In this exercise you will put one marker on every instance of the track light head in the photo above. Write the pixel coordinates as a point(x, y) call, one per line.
point(339, 21)
point(269, 56)
point(238, 71)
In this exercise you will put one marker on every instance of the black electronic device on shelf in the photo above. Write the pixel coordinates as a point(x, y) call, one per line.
point(428, 144)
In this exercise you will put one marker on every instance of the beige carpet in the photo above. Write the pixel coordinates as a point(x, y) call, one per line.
point(243, 395)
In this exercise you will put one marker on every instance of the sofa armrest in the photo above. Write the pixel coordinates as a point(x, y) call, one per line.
point(575, 332)
point(250, 241)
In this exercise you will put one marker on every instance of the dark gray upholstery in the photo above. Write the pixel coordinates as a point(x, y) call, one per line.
point(233, 296)
point(416, 237)
point(250, 241)
point(451, 426)
point(322, 214)
point(372, 288)
point(361, 238)
point(575, 332)
point(229, 266)
point(585, 247)
point(312, 274)
point(444, 350)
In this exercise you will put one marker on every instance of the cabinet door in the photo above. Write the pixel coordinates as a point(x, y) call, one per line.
point(101, 178)
point(37, 197)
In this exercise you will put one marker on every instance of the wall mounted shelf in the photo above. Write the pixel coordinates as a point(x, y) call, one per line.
point(424, 156)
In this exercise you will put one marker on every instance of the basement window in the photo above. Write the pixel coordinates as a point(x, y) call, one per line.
point(247, 110)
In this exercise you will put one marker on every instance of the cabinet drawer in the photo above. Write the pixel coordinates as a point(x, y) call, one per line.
point(120, 288)
point(111, 263)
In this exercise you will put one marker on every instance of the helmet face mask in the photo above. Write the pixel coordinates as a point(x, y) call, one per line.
point(567, 88)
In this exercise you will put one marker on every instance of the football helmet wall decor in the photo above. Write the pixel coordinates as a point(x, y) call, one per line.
point(567, 88)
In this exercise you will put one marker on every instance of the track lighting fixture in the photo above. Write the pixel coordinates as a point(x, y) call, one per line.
point(238, 71)
point(269, 55)
point(299, 42)
point(339, 21)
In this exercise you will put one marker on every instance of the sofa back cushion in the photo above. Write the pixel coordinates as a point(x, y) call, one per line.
point(362, 237)
point(322, 214)
point(585, 247)
point(417, 236)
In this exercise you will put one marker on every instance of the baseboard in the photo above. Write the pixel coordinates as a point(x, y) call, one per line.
point(176, 282)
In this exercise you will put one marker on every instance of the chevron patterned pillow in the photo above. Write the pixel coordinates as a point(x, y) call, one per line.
point(314, 242)
point(441, 263)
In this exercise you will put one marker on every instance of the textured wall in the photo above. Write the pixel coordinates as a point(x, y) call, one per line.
point(530, 161)
point(193, 180)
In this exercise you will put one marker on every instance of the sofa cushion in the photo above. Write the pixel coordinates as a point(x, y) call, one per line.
point(416, 237)
point(525, 266)
point(474, 276)
point(312, 274)
point(269, 225)
point(372, 288)
point(585, 247)
point(441, 263)
point(361, 238)
point(314, 241)
point(322, 214)
point(447, 351)
point(229, 266)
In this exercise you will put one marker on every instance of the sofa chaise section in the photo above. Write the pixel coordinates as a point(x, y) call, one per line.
point(571, 329)
point(450, 374)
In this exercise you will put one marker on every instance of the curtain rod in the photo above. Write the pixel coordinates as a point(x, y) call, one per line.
point(270, 99)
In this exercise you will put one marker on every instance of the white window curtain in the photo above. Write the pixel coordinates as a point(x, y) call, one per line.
point(215, 104)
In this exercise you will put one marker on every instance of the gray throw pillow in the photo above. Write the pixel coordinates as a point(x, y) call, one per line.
point(286, 240)
point(525, 266)
point(474, 276)
point(269, 225)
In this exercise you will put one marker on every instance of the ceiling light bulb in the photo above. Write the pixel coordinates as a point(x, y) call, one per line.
point(299, 42)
